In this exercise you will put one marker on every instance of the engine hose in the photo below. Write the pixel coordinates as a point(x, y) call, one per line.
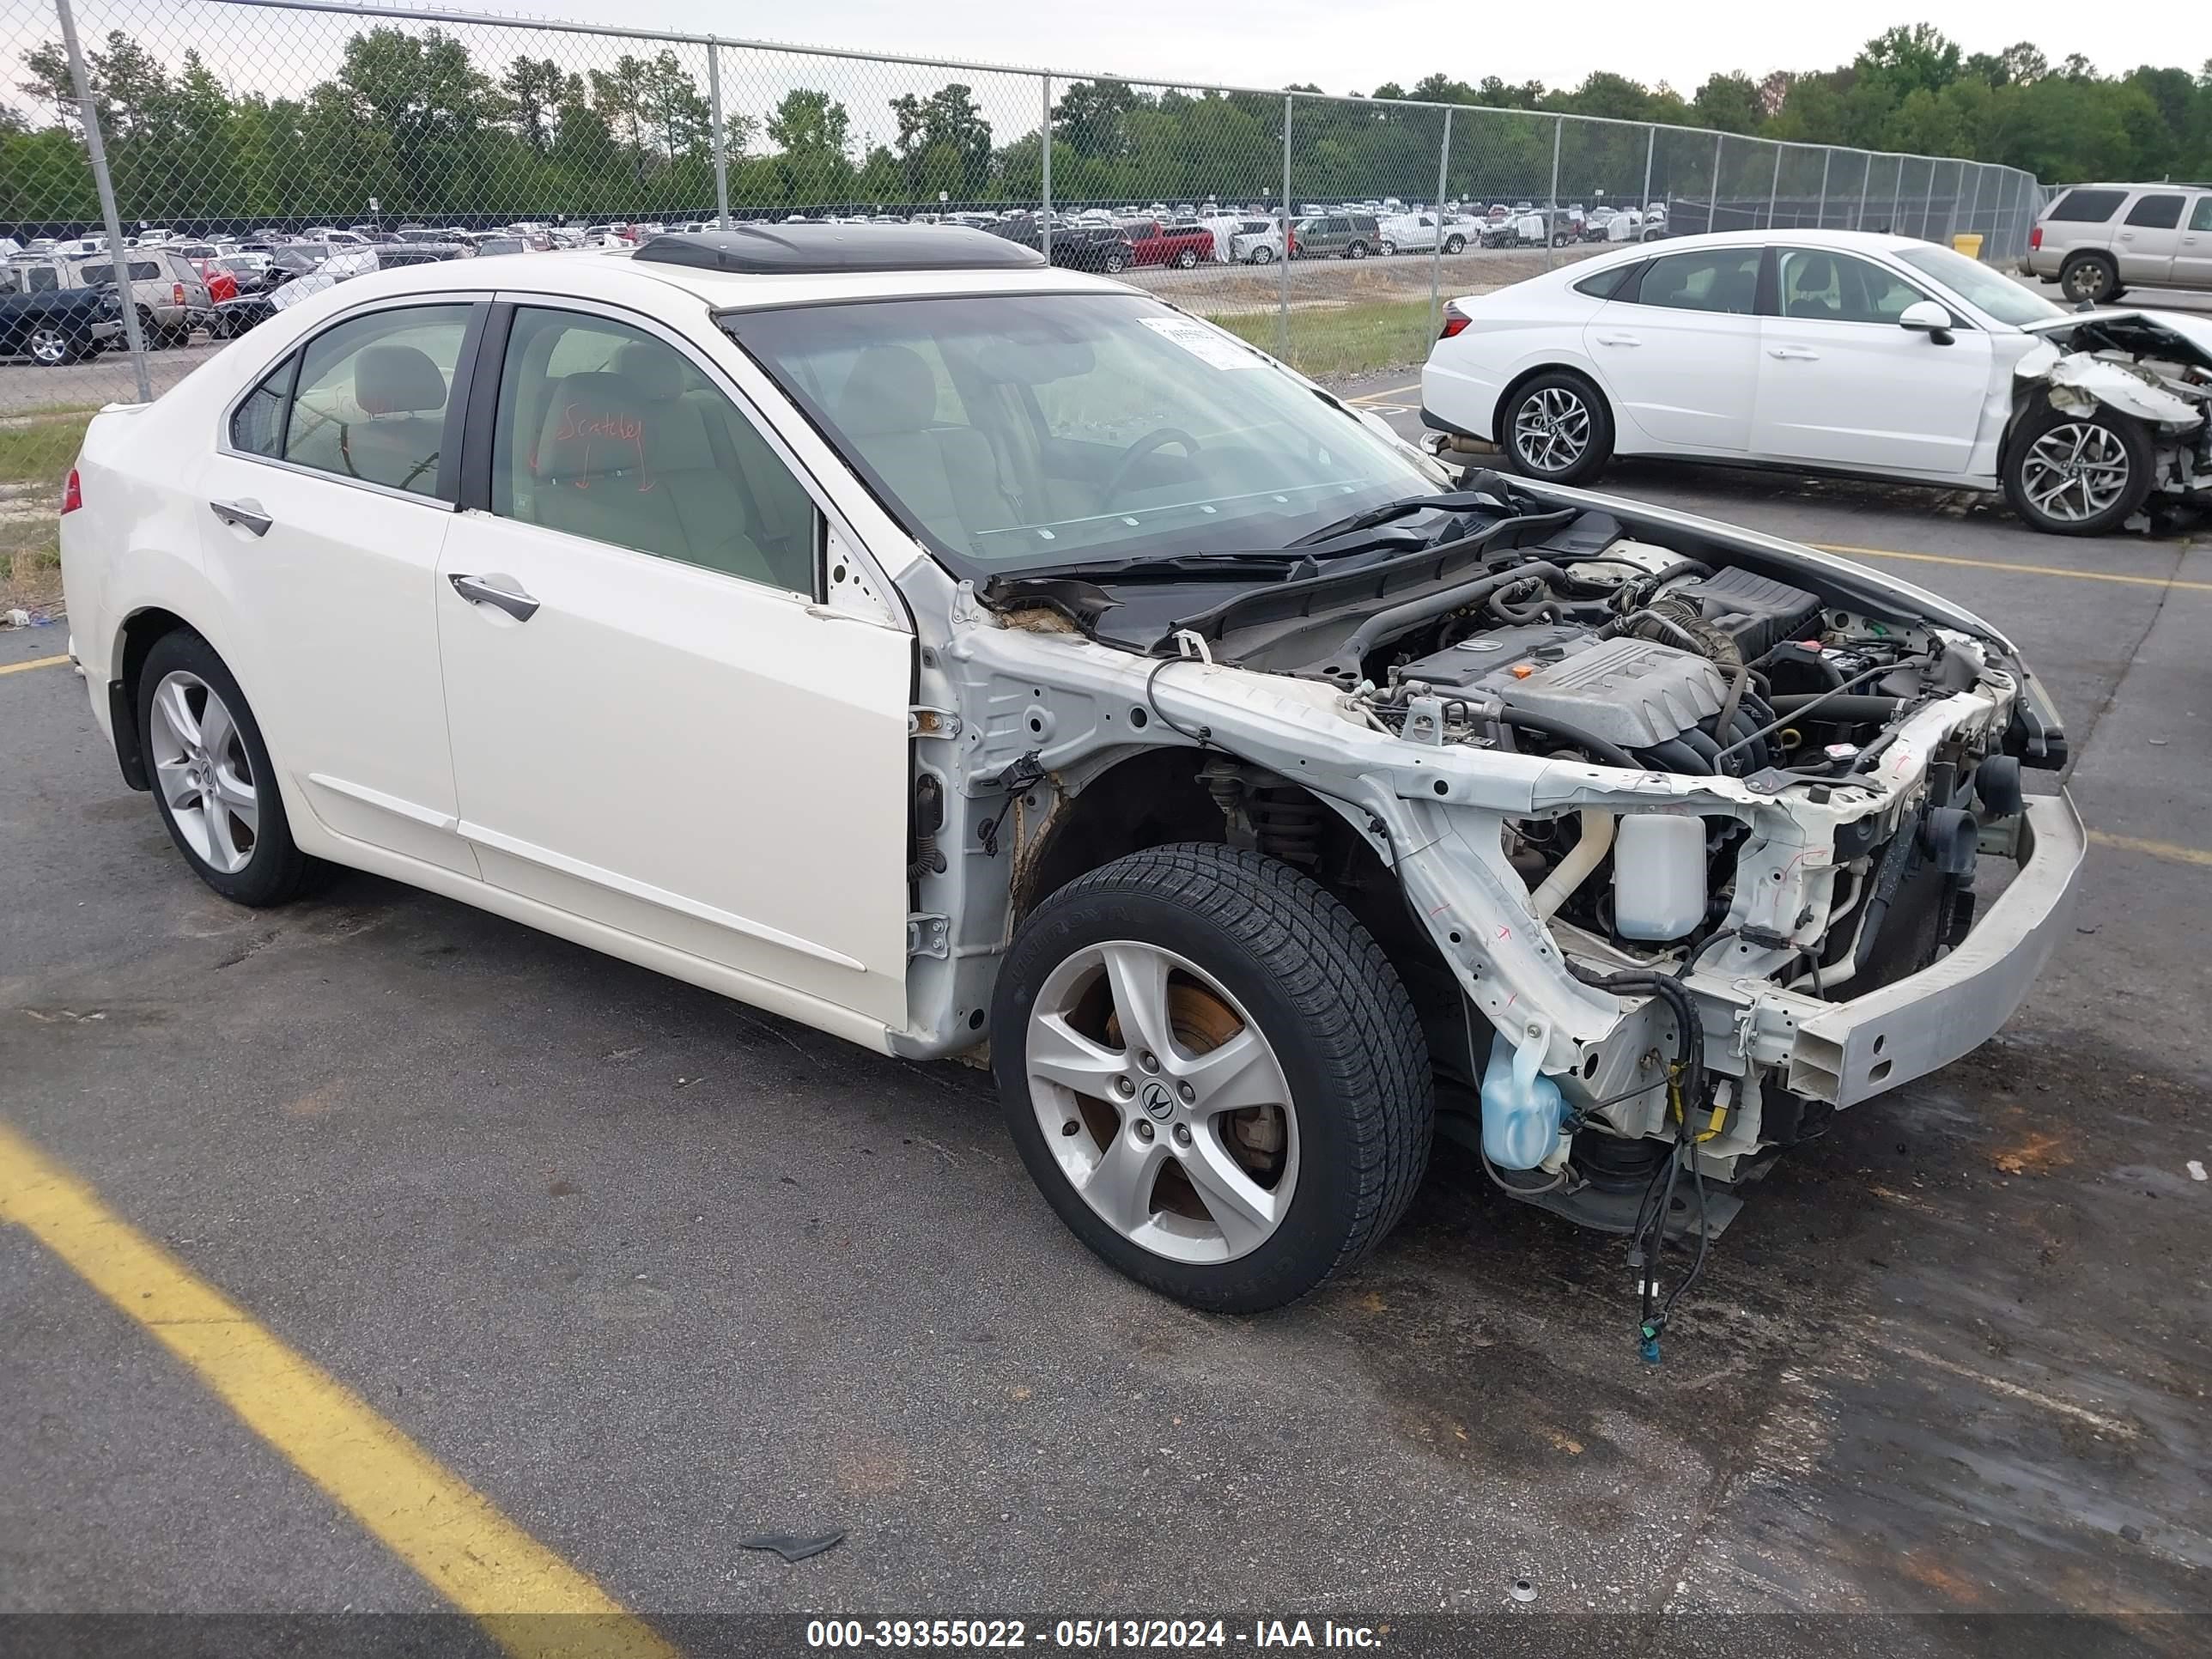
point(1700, 743)
point(1571, 870)
point(1845, 710)
point(1386, 625)
point(1596, 748)
point(1738, 683)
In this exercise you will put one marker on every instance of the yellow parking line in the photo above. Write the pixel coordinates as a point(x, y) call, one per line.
point(2172, 851)
point(35, 662)
point(432, 1519)
point(2022, 569)
point(1385, 396)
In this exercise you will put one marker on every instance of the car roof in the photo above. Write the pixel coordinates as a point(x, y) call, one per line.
point(1842, 241)
point(616, 276)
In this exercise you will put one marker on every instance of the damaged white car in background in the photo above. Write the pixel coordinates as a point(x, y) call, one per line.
point(1837, 352)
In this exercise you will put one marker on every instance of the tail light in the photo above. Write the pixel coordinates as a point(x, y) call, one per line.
point(72, 493)
point(177, 293)
point(1455, 320)
point(2035, 236)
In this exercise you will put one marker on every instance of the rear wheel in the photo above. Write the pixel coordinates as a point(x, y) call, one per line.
point(1186, 257)
point(2091, 277)
point(1213, 1073)
point(213, 782)
point(155, 337)
point(50, 347)
point(2078, 475)
point(1455, 244)
point(1558, 428)
point(1262, 255)
point(1357, 251)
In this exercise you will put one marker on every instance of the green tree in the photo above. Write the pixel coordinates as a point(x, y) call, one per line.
point(945, 143)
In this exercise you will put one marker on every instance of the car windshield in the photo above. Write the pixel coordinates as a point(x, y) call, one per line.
point(1987, 290)
point(1018, 432)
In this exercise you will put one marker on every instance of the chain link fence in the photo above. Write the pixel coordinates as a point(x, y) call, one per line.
point(234, 143)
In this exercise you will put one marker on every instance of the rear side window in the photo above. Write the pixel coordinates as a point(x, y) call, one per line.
point(1606, 283)
point(1722, 279)
point(2156, 212)
point(372, 396)
point(257, 425)
point(2087, 207)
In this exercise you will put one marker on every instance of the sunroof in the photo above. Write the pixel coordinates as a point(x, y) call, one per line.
point(790, 249)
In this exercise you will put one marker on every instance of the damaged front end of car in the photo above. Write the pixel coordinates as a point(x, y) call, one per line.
point(2112, 419)
point(1682, 838)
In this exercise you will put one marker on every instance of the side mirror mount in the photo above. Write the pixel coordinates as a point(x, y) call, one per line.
point(1926, 317)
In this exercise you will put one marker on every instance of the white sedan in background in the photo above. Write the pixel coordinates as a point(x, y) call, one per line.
point(1831, 351)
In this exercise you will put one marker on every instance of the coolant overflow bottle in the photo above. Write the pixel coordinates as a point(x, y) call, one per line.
point(1521, 1107)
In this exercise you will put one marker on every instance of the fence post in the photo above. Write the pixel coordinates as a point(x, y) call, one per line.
point(1643, 203)
point(1774, 189)
point(1283, 316)
point(1827, 161)
point(1896, 198)
point(1713, 217)
point(1928, 202)
point(1974, 213)
point(721, 142)
point(119, 260)
point(1436, 258)
point(1866, 182)
point(1044, 137)
point(1552, 217)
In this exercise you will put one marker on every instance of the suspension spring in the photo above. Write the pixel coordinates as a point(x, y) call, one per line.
point(1287, 825)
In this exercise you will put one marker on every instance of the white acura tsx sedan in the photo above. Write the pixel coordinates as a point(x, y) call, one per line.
point(883, 628)
point(1831, 351)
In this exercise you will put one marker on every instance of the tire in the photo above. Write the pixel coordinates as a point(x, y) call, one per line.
point(2047, 440)
point(53, 346)
point(155, 336)
point(1653, 235)
point(1186, 258)
point(2091, 277)
point(177, 338)
point(205, 822)
point(1556, 427)
point(1455, 244)
point(1561, 238)
point(1113, 263)
point(1357, 251)
point(1262, 255)
point(1258, 950)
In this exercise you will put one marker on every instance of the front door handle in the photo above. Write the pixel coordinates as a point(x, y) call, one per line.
point(504, 591)
point(245, 512)
point(1798, 353)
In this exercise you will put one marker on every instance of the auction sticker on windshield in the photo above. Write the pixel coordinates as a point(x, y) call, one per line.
point(1202, 343)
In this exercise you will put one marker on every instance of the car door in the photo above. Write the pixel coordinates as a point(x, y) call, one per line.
point(1677, 351)
point(329, 493)
point(2149, 237)
point(2192, 254)
point(1841, 384)
point(655, 725)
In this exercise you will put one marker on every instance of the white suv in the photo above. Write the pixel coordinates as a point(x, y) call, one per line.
point(890, 630)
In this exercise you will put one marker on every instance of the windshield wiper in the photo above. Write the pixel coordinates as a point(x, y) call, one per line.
point(1455, 500)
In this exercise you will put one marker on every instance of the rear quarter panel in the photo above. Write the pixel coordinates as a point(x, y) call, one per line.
point(1507, 336)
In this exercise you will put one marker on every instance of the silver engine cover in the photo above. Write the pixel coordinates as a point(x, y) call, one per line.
point(1631, 692)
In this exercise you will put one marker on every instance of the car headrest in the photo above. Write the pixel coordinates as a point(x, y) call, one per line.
point(1814, 274)
point(890, 390)
point(656, 370)
point(397, 380)
point(593, 427)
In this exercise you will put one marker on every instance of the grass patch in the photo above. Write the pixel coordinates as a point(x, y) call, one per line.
point(35, 452)
point(39, 447)
point(1341, 340)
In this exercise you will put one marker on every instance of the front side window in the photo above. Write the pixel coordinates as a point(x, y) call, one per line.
point(41, 279)
point(2200, 216)
point(607, 431)
point(1018, 432)
point(2156, 212)
point(1817, 286)
point(257, 425)
point(1722, 279)
point(1988, 291)
point(372, 397)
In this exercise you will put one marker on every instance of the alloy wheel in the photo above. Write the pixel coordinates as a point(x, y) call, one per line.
point(49, 348)
point(1162, 1101)
point(204, 774)
point(1551, 429)
point(2075, 471)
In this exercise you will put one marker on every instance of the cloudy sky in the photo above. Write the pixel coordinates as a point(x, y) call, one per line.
point(1353, 45)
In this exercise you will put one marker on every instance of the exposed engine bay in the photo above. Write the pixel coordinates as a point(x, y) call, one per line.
point(1698, 829)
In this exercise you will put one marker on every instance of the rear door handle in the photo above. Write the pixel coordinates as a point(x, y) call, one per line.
point(1618, 340)
point(245, 512)
point(502, 592)
point(1797, 352)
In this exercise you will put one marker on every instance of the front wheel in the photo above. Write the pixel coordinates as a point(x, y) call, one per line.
point(213, 782)
point(2091, 279)
point(1455, 244)
point(1213, 1073)
point(1357, 251)
point(1558, 428)
point(2078, 475)
point(49, 347)
point(1186, 257)
point(1114, 264)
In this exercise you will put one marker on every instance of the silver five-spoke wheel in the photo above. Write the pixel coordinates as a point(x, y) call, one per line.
point(1163, 1104)
point(2075, 470)
point(203, 770)
point(1551, 429)
point(49, 347)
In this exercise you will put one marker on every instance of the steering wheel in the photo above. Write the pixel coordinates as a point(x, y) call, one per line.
point(1155, 440)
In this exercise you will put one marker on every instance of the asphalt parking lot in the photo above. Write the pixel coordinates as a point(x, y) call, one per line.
point(651, 1273)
